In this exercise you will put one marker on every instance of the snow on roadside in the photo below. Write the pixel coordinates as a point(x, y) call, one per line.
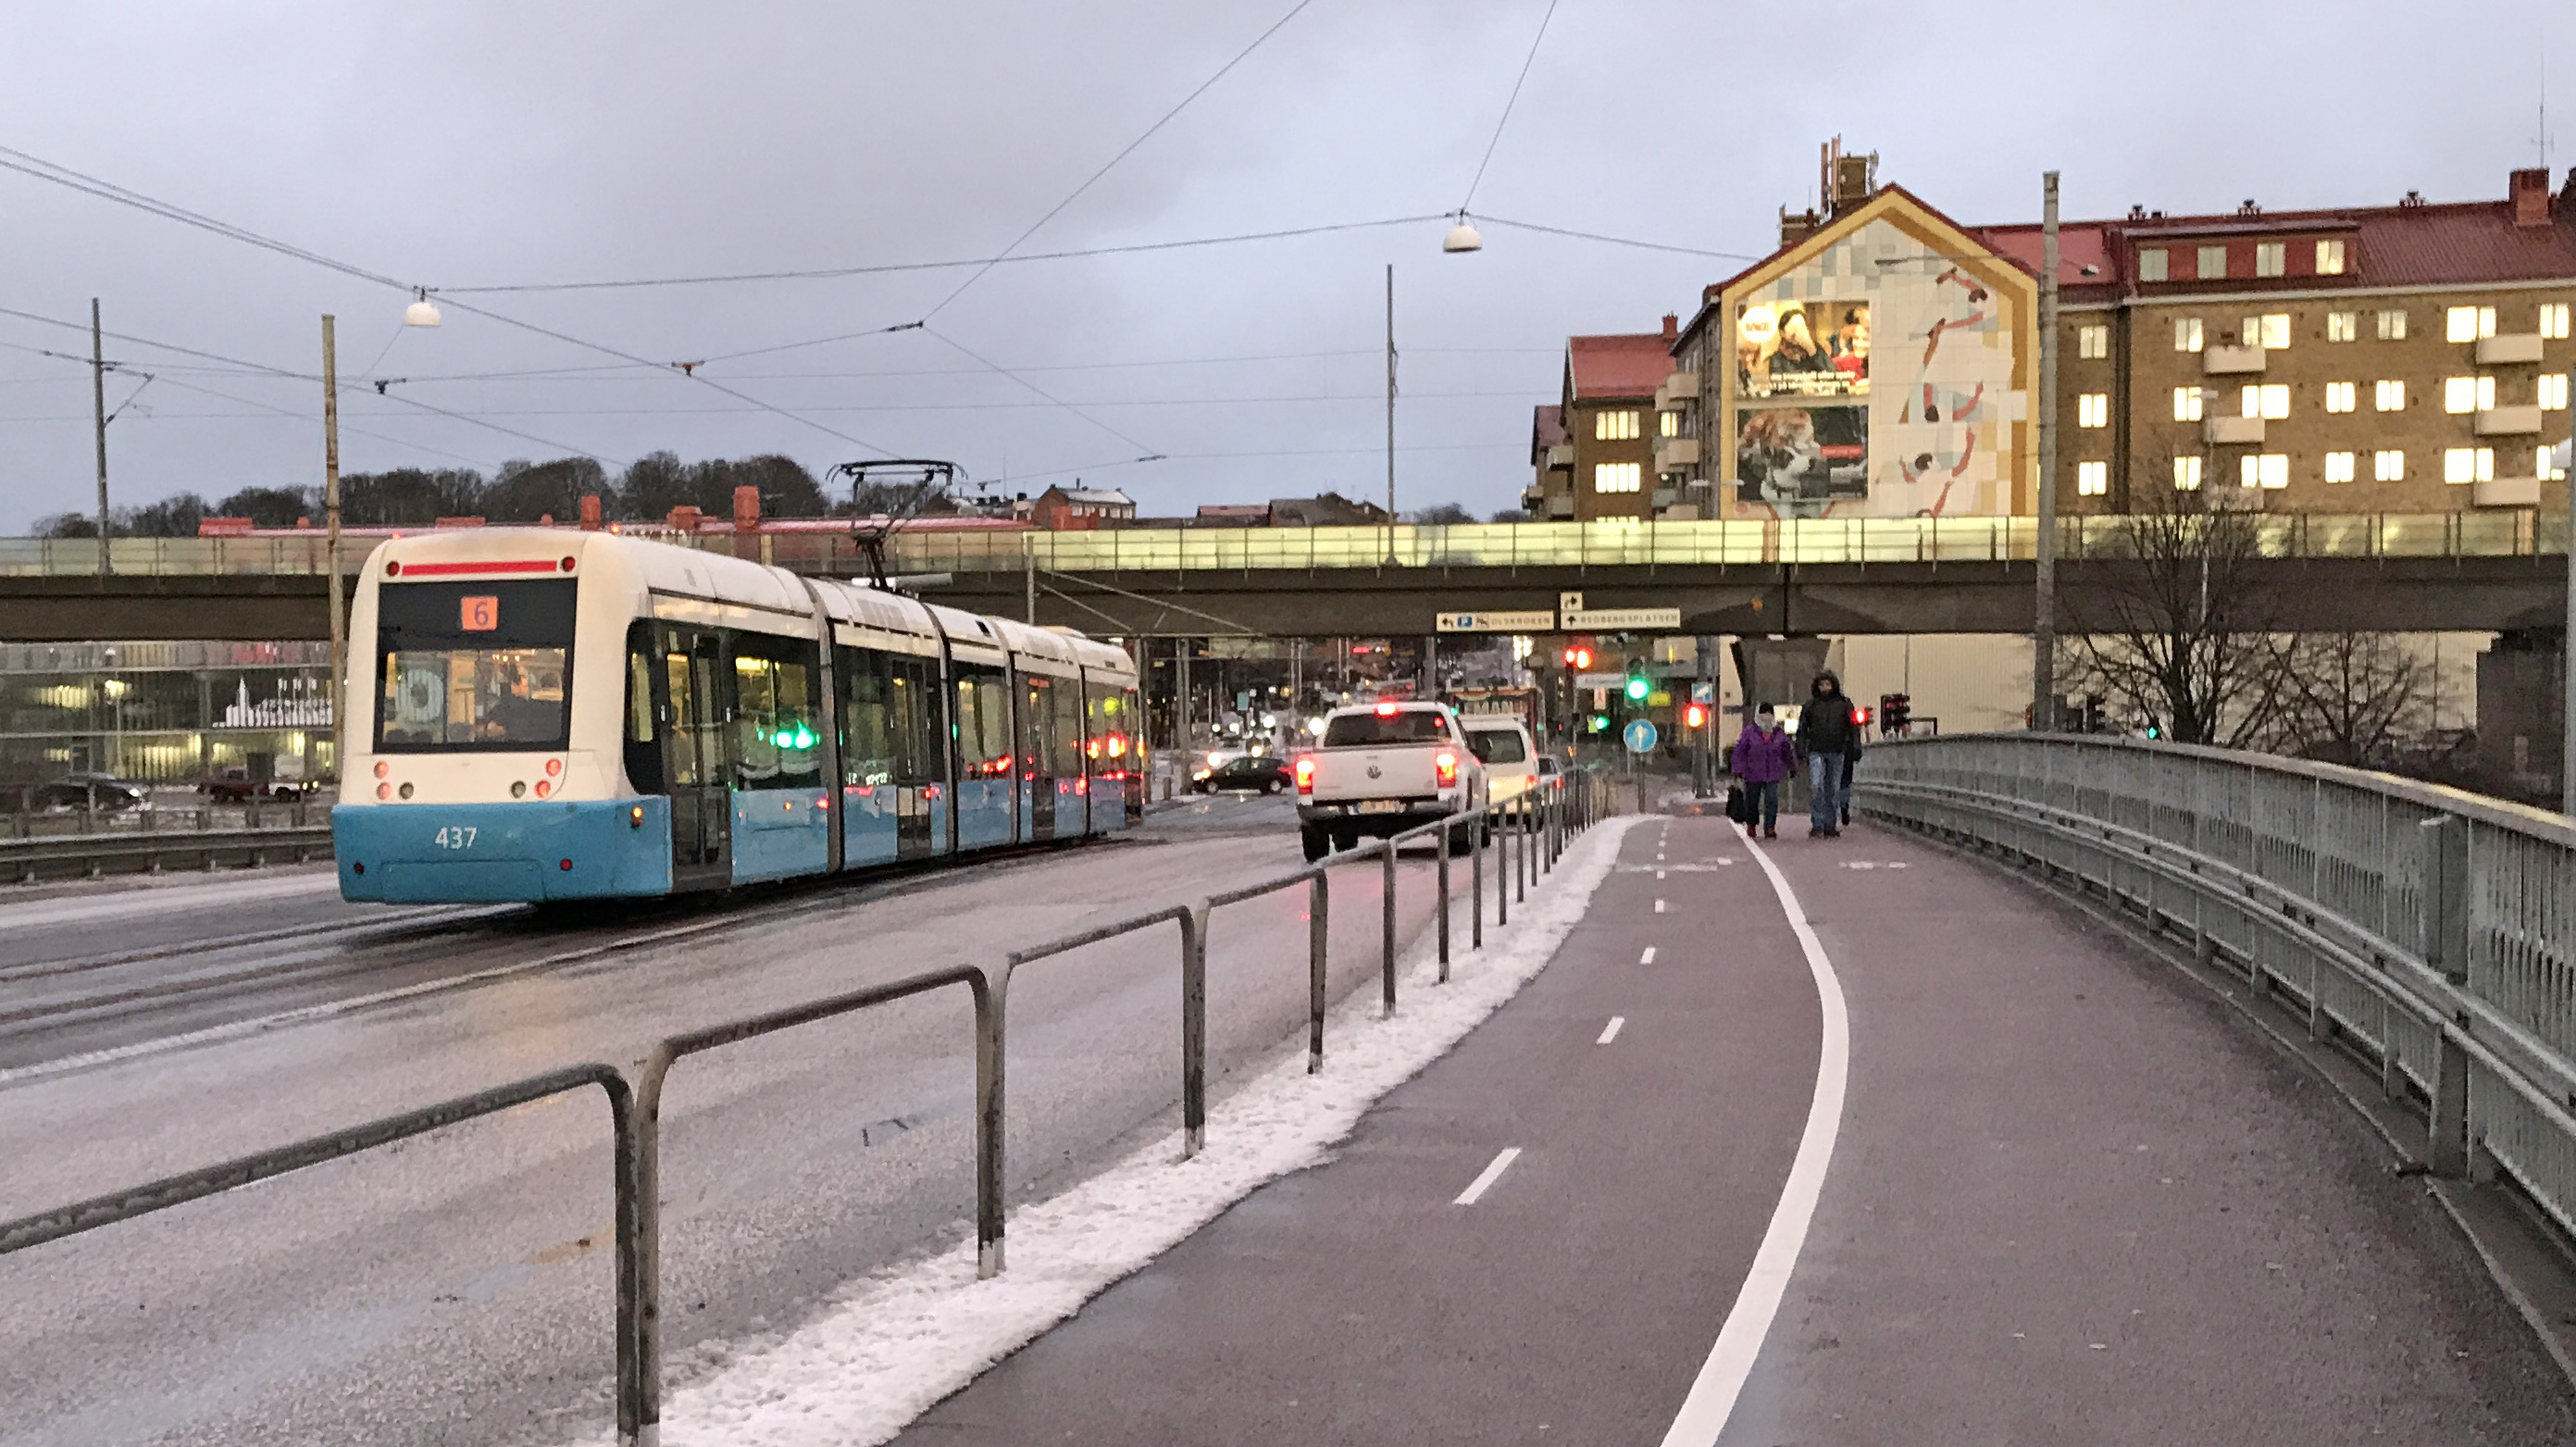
point(892, 1345)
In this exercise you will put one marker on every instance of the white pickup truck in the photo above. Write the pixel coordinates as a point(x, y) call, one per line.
point(1382, 769)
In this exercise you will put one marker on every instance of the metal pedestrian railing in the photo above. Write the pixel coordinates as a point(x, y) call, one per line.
point(1525, 837)
point(2430, 930)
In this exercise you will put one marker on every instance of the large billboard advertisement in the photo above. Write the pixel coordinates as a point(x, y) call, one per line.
point(1794, 349)
point(1800, 459)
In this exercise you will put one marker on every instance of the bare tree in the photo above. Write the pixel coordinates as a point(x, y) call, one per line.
point(2353, 698)
point(2175, 624)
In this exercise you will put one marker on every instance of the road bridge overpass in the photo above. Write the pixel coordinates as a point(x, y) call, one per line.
point(2451, 571)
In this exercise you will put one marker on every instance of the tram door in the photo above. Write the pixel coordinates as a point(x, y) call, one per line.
point(696, 758)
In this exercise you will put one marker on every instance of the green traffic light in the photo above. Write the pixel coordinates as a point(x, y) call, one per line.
point(1600, 723)
point(1637, 690)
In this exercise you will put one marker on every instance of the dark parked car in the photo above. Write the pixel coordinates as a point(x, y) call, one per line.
point(77, 791)
point(1264, 772)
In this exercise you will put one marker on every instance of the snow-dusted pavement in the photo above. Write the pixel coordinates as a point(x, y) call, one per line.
point(457, 1288)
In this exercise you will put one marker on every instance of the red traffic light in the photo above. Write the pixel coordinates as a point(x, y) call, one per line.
point(1860, 714)
point(1695, 715)
point(1578, 657)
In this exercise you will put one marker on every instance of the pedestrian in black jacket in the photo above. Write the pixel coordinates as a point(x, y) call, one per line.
point(1829, 732)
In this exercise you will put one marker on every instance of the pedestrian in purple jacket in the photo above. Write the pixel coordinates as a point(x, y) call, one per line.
point(1765, 756)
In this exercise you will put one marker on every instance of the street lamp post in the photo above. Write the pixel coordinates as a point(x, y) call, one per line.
point(331, 545)
point(2043, 637)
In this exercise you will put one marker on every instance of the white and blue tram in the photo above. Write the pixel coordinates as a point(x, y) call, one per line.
point(539, 714)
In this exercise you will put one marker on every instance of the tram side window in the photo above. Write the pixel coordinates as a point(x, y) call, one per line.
point(1064, 734)
point(643, 746)
point(983, 722)
point(776, 724)
point(888, 704)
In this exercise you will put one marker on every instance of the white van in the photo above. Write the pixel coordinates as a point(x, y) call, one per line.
point(1503, 745)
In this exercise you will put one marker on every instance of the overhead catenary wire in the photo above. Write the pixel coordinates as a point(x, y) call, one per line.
point(1128, 150)
point(1151, 453)
point(1506, 118)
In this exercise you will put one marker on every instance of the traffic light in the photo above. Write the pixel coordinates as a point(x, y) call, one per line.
point(1695, 715)
point(1578, 657)
point(1600, 723)
point(1860, 716)
point(1638, 684)
point(1895, 713)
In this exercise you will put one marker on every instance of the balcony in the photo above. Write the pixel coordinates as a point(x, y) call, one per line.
point(1559, 505)
point(2519, 347)
point(2509, 421)
point(2232, 361)
point(1672, 454)
point(2233, 431)
point(2506, 492)
point(1561, 457)
point(1678, 391)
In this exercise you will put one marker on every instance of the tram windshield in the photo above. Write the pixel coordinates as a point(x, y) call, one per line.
point(474, 665)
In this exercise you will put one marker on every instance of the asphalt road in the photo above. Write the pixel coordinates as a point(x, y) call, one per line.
point(2073, 1200)
point(457, 1288)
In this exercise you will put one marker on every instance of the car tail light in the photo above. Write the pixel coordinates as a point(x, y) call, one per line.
point(1305, 776)
point(1386, 710)
point(1447, 764)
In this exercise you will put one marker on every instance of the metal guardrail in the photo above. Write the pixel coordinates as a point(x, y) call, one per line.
point(1526, 838)
point(1715, 541)
point(2430, 930)
point(151, 851)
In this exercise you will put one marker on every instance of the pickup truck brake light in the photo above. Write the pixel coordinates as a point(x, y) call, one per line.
point(1386, 710)
point(1305, 776)
point(1447, 764)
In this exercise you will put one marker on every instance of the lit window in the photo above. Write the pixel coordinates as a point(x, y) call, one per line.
point(2092, 479)
point(2388, 396)
point(2553, 320)
point(2093, 409)
point(1616, 476)
point(2186, 404)
point(2340, 396)
point(1614, 426)
point(2271, 258)
point(2263, 469)
point(2553, 391)
point(2547, 464)
point(2213, 262)
point(2152, 264)
point(2388, 465)
point(2338, 467)
point(2392, 326)
point(2187, 474)
point(2092, 343)
point(2329, 258)
point(2468, 323)
point(2186, 334)
point(2468, 464)
point(2468, 394)
point(2343, 326)
point(1669, 423)
point(2267, 400)
point(2271, 331)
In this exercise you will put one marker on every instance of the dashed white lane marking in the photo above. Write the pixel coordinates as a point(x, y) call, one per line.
point(1730, 1361)
point(1610, 1031)
point(1648, 957)
point(1485, 1181)
point(1659, 876)
point(1659, 906)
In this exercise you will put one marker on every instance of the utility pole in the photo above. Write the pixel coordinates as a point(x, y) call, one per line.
point(2043, 635)
point(98, 408)
point(331, 547)
point(1390, 411)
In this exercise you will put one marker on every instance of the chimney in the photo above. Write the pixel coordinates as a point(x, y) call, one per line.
point(746, 509)
point(684, 519)
point(2529, 188)
point(1672, 329)
point(590, 512)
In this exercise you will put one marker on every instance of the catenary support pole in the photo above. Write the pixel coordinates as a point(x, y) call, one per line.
point(331, 547)
point(98, 410)
point(2567, 653)
point(2043, 633)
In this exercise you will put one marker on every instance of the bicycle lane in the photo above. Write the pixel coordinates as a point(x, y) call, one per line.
point(2078, 1198)
point(1536, 1239)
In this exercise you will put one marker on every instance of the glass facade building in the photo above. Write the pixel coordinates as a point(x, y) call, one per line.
point(165, 712)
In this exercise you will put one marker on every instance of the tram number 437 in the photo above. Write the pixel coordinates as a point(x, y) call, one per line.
point(455, 836)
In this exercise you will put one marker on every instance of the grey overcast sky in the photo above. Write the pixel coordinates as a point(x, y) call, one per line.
point(461, 144)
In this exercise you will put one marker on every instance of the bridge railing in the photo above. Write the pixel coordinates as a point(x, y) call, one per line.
point(1617, 543)
point(2429, 930)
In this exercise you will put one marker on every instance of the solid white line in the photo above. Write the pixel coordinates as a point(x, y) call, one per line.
point(1648, 957)
point(1721, 1378)
point(1492, 1174)
point(1610, 1031)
